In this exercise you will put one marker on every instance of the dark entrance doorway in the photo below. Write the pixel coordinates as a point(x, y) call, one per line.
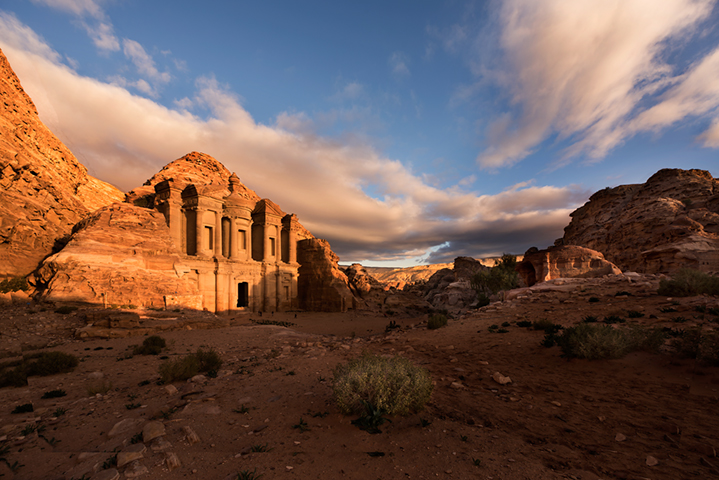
point(243, 295)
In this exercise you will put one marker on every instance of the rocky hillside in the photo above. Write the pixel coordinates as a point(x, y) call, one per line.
point(44, 190)
point(669, 222)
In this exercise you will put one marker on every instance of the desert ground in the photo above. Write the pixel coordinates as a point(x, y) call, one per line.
point(645, 416)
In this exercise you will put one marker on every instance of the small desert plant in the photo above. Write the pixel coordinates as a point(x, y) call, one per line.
point(679, 319)
point(693, 343)
point(371, 420)
point(436, 321)
point(612, 319)
point(593, 300)
point(50, 363)
point(593, 341)
point(152, 345)
point(190, 365)
point(589, 319)
point(24, 408)
point(260, 448)
point(301, 425)
point(59, 411)
point(65, 309)
point(547, 325)
point(524, 324)
point(13, 285)
point(634, 314)
point(390, 385)
point(247, 475)
point(688, 282)
point(482, 300)
point(54, 394)
point(667, 309)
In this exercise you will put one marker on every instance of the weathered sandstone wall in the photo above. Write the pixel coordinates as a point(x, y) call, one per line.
point(44, 190)
point(669, 222)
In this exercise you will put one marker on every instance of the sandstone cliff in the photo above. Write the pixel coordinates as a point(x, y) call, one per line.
point(566, 261)
point(669, 222)
point(44, 190)
point(120, 255)
point(322, 286)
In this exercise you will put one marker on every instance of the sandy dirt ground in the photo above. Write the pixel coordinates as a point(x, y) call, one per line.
point(646, 416)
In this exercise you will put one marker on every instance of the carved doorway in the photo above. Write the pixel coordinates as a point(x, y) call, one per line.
point(243, 295)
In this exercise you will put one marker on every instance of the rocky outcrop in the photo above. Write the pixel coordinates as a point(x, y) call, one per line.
point(569, 261)
point(321, 285)
point(451, 288)
point(667, 223)
point(120, 255)
point(44, 190)
point(360, 281)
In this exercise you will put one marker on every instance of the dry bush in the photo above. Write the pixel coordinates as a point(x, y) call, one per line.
point(388, 385)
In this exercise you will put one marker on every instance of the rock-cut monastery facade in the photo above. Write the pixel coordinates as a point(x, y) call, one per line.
point(241, 253)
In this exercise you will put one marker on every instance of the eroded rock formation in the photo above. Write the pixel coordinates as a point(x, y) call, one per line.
point(568, 261)
point(120, 255)
point(451, 288)
point(322, 286)
point(669, 222)
point(44, 190)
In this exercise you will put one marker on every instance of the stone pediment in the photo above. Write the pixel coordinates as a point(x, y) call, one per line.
point(268, 207)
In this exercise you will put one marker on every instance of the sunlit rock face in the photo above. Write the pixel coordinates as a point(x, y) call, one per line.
point(667, 223)
point(566, 261)
point(44, 190)
point(322, 285)
point(121, 255)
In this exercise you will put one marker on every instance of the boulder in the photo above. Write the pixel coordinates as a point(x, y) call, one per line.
point(44, 190)
point(321, 285)
point(565, 261)
point(667, 223)
point(120, 255)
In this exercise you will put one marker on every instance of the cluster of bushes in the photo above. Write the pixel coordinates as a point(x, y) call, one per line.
point(15, 373)
point(688, 282)
point(502, 276)
point(594, 341)
point(436, 321)
point(693, 343)
point(202, 361)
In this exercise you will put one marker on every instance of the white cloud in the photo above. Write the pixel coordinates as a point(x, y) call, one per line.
point(93, 20)
point(143, 61)
point(77, 7)
point(103, 36)
point(398, 63)
point(350, 91)
point(711, 136)
point(581, 70)
point(125, 139)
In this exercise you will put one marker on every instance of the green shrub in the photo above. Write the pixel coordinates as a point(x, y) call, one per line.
point(50, 363)
point(482, 300)
point(611, 319)
point(13, 285)
point(502, 276)
point(187, 367)
point(634, 314)
point(593, 341)
point(524, 324)
point(152, 345)
point(688, 282)
point(693, 343)
point(24, 408)
point(436, 321)
point(54, 393)
point(371, 384)
point(547, 325)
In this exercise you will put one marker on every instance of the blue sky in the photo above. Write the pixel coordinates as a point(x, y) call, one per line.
point(402, 132)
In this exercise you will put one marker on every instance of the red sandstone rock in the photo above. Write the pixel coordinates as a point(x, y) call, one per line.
point(569, 261)
point(669, 222)
point(120, 255)
point(44, 190)
point(322, 286)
